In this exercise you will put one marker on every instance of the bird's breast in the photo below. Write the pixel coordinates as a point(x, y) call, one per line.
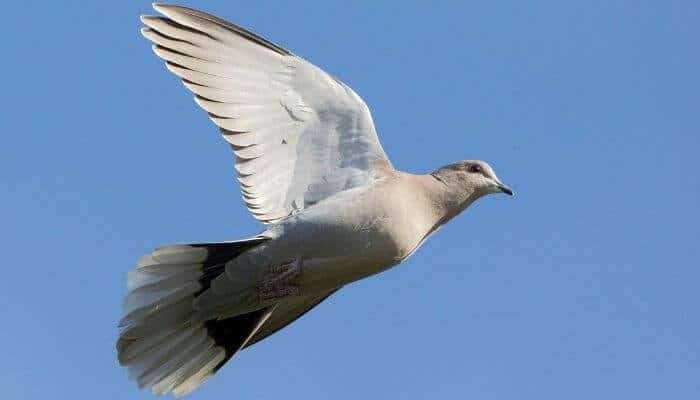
point(353, 236)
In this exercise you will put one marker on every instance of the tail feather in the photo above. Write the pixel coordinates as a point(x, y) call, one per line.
point(162, 342)
point(162, 275)
point(161, 358)
point(137, 350)
point(159, 377)
point(228, 335)
point(198, 378)
point(198, 365)
point(154, 297)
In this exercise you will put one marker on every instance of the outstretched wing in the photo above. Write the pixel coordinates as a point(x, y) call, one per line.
point(299, 134)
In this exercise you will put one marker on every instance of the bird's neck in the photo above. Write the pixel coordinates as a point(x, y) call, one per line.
point(444, 200)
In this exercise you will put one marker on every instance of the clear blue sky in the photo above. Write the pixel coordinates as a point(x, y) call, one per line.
point(585, 285)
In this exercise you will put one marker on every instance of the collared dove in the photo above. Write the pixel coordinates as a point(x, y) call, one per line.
point(311, 168)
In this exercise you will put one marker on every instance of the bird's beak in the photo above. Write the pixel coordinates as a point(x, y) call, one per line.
point(505, 189)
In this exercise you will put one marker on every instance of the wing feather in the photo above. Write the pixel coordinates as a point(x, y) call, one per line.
point(299, 135)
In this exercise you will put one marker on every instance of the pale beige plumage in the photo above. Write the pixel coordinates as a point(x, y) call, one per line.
point(310, 166)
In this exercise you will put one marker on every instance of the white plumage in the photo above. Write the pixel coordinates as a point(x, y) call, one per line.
point(293, 127)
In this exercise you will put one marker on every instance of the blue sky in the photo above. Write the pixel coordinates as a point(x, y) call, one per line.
point(585, 285)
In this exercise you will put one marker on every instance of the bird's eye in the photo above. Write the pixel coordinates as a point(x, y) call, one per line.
point(474, 168)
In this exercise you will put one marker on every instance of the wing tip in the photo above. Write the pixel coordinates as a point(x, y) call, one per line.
point(176, 13)
point(145, 32)
point(158, 6)
point(147, 19)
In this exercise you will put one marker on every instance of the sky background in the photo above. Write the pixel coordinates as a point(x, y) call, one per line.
point(585, 285)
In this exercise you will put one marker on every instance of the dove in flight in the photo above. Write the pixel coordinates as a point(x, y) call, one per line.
point(311, 168)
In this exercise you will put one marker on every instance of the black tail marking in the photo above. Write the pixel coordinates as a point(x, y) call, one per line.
point(233, 333)
point(218, 254)
point(229, 333)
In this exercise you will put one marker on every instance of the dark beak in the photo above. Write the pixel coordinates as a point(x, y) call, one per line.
point(505, 189)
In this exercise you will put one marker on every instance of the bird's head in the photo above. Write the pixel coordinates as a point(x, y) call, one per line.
point(468, 180)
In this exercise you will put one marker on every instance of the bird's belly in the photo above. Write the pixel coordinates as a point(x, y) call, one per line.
point(319, 274)
point(332, 255)
point(338, 259)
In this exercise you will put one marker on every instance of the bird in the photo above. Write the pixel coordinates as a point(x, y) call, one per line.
point(311, 169)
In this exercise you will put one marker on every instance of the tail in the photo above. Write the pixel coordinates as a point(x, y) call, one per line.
point(160, 343)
